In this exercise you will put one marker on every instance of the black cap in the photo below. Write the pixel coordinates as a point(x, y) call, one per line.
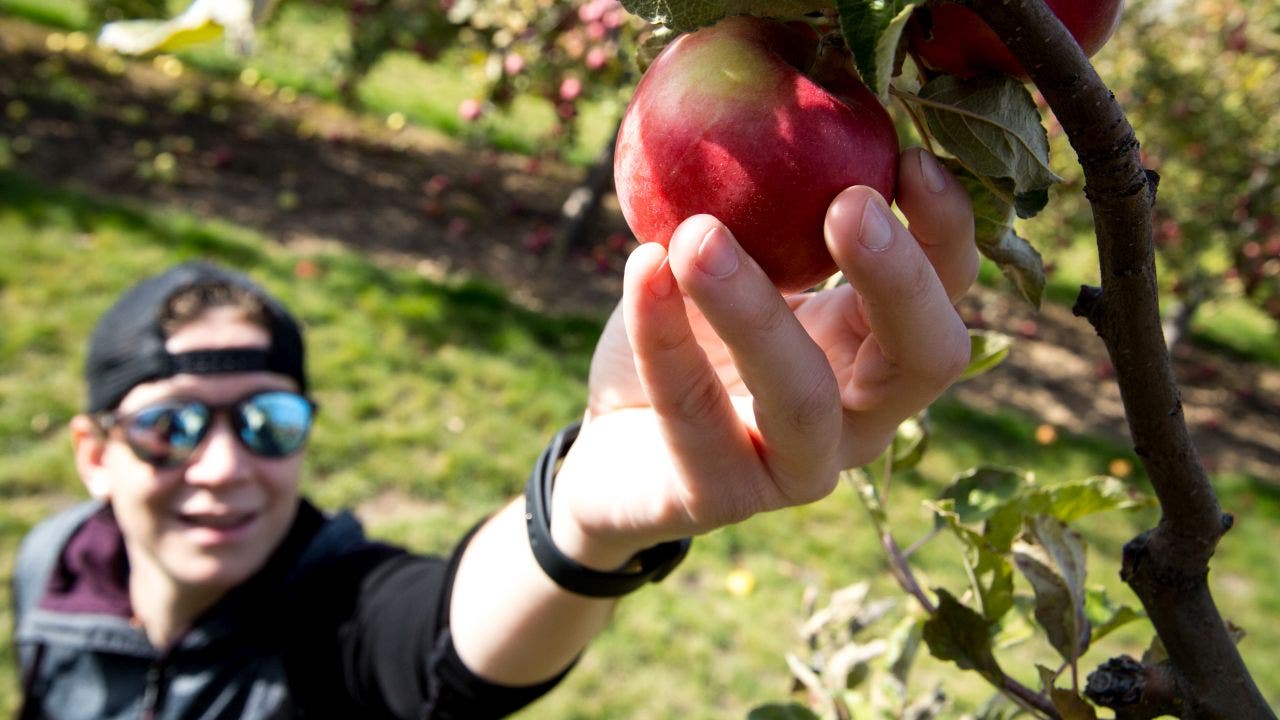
point(127, 345)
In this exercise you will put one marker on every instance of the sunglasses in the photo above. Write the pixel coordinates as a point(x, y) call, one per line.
point(271, 424)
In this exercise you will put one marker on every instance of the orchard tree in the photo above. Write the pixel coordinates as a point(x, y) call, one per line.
point(964, 72)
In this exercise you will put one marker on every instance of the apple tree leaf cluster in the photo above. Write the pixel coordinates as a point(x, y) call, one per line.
point(1026, 570)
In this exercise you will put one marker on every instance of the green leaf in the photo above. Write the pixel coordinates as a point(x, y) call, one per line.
point(1052, 558)
point(979, 492)
point(1105, 615)
point(990, 572)
point(652, 45)
point(1070, 705)
point(1068, 501)
point(909, 442)
point(991, 124)
point(872, 29)
point(1020, 263)
point(904, 644)
point(807, 676)
point(1074, 499)
point(1155, 652)
point(686, 15)
point(957, 633)
point(998, 707)
point(849, 665)
point(994, 575)
point(927, 706)
point(987, 349)
point(993, 218)
point(776, 711)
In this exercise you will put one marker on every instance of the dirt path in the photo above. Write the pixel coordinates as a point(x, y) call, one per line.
point(306, 172)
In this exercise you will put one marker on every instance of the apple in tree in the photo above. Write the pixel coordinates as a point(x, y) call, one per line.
point(950, 38)
point(760, 124)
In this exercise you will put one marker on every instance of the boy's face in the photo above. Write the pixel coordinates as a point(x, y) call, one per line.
point(211, 523)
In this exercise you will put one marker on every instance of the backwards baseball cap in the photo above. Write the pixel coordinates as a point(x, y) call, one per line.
point(127, 346)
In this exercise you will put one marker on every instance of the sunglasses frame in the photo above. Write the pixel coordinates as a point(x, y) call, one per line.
point(110, 419)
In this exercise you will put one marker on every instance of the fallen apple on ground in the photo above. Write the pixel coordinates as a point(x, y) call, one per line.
point(760, 124)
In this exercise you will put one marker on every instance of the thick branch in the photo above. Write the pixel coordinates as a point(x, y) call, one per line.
point(1168, 566)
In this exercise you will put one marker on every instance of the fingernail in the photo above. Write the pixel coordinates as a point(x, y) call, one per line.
point(934, 179)
point(660, 284)
point(875, 232)
point(716, 256)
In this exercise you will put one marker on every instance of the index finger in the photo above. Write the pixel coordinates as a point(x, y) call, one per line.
point(794, 394)
point(941, 219)
point(918, 344)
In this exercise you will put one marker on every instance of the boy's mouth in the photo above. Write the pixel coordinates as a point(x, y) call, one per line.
point(218, 521)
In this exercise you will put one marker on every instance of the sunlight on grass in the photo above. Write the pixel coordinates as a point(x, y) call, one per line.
point(1240, 328)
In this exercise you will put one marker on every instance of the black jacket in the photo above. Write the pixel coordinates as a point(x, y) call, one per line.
point(334, 626)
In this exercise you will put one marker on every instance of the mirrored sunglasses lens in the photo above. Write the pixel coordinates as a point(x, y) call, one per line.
point(166, 435)
point(275, 424)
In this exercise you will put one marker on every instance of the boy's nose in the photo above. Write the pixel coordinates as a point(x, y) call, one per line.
point(221, 456)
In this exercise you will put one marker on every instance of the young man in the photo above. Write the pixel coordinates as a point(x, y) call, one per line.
point(199, 584)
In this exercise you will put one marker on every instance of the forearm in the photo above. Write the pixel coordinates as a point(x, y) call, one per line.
point(511, 624)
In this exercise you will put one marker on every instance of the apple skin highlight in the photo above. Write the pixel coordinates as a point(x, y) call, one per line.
point(723, 123)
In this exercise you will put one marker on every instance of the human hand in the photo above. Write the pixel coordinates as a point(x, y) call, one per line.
point(713, 398)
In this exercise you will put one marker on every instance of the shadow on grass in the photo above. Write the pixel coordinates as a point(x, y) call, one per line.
point(470, 312)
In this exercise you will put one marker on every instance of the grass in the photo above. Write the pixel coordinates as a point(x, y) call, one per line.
point(458, 384)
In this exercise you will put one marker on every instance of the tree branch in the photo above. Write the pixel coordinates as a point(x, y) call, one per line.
point(1167, 567)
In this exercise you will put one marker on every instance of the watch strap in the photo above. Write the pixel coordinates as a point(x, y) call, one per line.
point(649, 565)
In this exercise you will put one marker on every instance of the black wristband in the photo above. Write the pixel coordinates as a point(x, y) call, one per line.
point(652, 564)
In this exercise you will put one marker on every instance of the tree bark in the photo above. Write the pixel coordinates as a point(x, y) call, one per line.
point(1167, 566)
point(580, 210)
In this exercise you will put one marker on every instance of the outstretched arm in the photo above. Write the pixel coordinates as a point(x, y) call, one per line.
point(713, 398)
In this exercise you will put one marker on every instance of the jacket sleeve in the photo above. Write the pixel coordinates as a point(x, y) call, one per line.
point(396, 653)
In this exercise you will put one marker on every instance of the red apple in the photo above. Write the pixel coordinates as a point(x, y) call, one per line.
point(725, 121)
point(950, 38)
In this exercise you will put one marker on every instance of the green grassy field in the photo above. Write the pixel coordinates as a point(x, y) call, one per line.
point(436, 398)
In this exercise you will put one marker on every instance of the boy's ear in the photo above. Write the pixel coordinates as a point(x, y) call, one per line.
point(89, 444)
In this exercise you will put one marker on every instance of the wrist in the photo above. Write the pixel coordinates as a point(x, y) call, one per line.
point(584, 564)
point(589, 550)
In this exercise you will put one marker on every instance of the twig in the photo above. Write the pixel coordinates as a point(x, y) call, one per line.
point(901, 571)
